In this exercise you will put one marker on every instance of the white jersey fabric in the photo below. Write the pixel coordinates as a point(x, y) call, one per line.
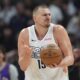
point(37, 70)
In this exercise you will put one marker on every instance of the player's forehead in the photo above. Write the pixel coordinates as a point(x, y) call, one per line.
point(43, 10)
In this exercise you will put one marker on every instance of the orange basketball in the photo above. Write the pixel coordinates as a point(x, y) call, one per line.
point(51, 55)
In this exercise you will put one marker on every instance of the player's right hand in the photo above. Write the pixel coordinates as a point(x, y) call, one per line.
point(24, 57)
point(27, 51)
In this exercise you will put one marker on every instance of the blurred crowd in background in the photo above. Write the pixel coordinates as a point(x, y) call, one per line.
point(17, 14)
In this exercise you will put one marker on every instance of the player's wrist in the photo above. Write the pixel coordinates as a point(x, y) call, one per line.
point(62, 64)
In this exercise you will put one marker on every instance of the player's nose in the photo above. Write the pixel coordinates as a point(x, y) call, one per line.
point(48, 16)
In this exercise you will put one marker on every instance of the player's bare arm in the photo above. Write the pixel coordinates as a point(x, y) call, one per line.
point(24, 50)
point(65, 46)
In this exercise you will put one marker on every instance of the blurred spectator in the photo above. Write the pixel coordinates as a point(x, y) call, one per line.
point(66, 17)
point(7, 36)
point(73, 29)
point(7, 71)
point(9, 40)
point(56, 12)
point(12, 57)
point(76, 52)
point(73, 25)
point(2, 24)
point(29, 7)
point(74, 70)
point(39, 2)
point(74, 73)
point(20, 20)
point(77, 4)
point(71, 8)
point(8, 11)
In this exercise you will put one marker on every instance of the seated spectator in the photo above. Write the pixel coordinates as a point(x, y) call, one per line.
point(8, 11)
point(73, 29)
point(7, 71)
point(56, 12)
point(74, 70)
point(20, 20)
point(9, 40)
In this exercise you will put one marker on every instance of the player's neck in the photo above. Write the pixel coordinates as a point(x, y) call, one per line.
point(40, 31)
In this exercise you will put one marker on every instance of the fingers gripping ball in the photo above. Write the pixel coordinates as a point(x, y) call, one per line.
point(51, 55)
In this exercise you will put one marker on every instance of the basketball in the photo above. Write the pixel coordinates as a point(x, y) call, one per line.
point(51, 55)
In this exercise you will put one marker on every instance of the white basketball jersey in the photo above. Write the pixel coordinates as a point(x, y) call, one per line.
point(37, 70)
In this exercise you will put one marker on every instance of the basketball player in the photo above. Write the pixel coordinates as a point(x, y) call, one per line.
point(33, 38)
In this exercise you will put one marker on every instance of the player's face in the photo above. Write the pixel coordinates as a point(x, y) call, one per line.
point(43, 17)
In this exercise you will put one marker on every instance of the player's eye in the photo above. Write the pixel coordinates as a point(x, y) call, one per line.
point(47, 14)
point(44, 14)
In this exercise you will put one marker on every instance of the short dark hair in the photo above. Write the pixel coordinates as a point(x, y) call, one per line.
point(39, 6)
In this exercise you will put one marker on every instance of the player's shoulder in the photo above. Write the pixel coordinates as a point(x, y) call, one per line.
point(58, 28)
point(25, 30)
point(24, 33)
